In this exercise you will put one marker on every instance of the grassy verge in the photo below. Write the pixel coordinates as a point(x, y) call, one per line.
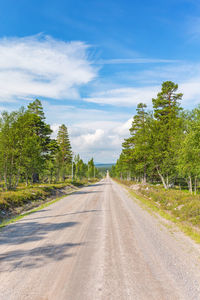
point(21, 216)
point(13, 204)
point(177, 206)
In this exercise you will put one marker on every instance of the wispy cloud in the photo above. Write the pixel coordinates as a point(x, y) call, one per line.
point(147, 83)
point(42, 66)
point(125, 96)
point(193, 28)
point(135, 61)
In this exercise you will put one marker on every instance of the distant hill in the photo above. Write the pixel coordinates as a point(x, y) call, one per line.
point(104, 166)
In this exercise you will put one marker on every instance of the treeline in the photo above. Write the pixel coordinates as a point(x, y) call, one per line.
point(28, 154)
point(164, 144)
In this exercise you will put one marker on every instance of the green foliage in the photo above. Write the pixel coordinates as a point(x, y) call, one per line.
point(80, 168)
point(29, 154)
point(164, 145)
point(64, 153)
point(11, 199)
point(178, 206)
point(181, 204)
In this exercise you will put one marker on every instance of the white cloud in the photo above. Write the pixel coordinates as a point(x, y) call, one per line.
point(193, 28)
point(149, 82)
point(125, 96)
point(191, 92)
point(101, 136)
point(42, 66)
point(103, 143)
point(135, 61)
point(123, 130)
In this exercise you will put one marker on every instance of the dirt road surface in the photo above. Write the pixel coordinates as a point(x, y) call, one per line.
point(97, 243)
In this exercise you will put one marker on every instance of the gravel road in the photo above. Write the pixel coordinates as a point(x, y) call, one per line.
point(97, 243)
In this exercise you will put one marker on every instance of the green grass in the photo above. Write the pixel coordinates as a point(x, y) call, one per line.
point(17, 218)
point(177, 206)
point(13, 199)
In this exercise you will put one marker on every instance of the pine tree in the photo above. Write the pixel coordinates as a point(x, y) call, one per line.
point(166, 130)
point(41, 129)
point(64, 156)
point(91, 168)
point(36, 108)
point(140, 141)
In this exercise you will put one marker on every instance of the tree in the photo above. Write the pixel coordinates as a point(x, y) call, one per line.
point(64, 155)
point(41, 129)
point(27, 152)
point(188, 162)
point(36, 108)
point(30, 151)
point(136, 147)
point(80, 167)
point(91, 168)
point(166, 131)
point(8, 148)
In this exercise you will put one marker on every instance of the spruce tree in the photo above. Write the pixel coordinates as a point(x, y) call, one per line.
point(64, 156)
point(41, 129)
point(140, 141)
point(36, 108)
point(166, 131)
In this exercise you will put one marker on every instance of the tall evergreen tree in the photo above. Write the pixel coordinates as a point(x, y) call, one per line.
point(166, 131)
point(137, 146)
point(36, 108)
point(64, 156)
point(41, 129)
point(91, 168)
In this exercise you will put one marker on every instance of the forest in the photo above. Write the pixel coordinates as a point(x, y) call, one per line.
point(29, 154)
point(164, 143)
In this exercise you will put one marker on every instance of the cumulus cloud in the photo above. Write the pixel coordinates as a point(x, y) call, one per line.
point(104, 144)
point(191, 92)
point(42, 66)
point(101, 140)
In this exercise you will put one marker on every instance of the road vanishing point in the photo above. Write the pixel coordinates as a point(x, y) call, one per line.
point(97, 243)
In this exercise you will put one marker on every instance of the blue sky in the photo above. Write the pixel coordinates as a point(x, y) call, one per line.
point(91, 62)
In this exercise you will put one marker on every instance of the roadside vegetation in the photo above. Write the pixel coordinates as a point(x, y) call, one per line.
point(161, 158)
point(179, 207)
point(33, 165)
point(164, 144)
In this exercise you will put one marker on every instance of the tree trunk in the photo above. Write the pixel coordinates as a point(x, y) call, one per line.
point(190, 184)
point(35, 177)
point(144, 177)
point(162, 179)
point(5, 180)
point(195, 185)
point(26, 179)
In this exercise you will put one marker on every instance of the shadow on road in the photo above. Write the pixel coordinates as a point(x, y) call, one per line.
point(36, 257)
point(22, 234)
point(25, 232)
point(68, 214)
point(25, 236)
point(86, 192)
